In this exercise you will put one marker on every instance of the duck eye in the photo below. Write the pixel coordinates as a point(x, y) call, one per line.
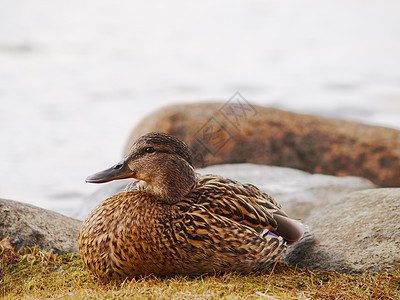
point(150, 149)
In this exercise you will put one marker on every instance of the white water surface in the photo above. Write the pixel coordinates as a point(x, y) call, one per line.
point(76, 76)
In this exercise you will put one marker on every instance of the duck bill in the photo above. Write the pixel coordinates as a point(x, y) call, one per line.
point(119, 171)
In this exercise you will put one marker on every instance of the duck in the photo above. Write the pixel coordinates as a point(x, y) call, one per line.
point(173, 221)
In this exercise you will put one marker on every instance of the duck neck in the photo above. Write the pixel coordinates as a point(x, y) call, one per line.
point(173, 181)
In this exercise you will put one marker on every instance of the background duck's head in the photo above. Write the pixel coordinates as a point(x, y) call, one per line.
point(161, 160)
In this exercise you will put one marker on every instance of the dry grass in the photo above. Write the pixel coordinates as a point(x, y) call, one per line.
point(35, 274)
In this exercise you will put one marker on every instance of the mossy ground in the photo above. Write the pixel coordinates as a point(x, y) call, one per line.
point(35, 274)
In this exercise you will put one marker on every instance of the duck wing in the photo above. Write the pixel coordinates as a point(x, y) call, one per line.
point(246, 205)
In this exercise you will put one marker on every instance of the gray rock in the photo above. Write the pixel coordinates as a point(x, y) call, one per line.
point(359, 233)
point(28, 225)
point(299, 192)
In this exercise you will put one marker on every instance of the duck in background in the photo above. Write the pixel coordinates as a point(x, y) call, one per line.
point(174, 221)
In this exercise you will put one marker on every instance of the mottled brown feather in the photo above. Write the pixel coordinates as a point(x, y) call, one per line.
point(219, 225)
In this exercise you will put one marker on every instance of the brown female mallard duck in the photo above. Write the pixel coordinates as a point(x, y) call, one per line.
point(177, 222)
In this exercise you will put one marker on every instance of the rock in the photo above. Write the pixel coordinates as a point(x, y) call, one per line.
point(359, 233)
point(28, 225)
point(238, 132)
point(299, 192)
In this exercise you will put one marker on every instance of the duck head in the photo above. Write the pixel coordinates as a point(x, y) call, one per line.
point(161, 160)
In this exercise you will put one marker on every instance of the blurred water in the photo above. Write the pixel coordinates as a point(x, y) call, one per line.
point(75, 76)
